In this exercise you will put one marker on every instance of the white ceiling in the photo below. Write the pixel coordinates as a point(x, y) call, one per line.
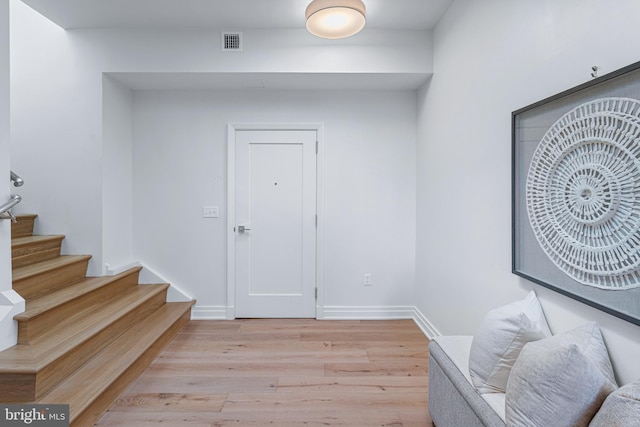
point(230, 14)
point(239, 15)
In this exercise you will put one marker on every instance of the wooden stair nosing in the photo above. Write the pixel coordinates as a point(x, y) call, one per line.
point(41, 312)
point(50, 358)
point(118, 364)
point(37, 279)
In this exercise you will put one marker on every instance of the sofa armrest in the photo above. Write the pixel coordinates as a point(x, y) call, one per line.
point(453, 401)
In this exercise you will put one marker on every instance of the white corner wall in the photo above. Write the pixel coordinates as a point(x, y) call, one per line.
point(5, 226)
point(56, 126)
point(117, 174)
point(179, 165)
point(491, 58)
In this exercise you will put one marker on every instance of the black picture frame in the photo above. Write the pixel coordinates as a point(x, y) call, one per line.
point(528, 126)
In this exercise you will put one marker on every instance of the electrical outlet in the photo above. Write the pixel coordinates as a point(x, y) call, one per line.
point(210, 212)
point(367, 279)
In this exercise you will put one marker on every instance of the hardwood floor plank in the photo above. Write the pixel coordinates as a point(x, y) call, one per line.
point(239, 370)
point(203, 384)
point(348, 336)
point(361, 384)
point(169, 402)
point(320, 400)
point(403, 369)
point(416, 418)
point(356, 356)
point(144, 419)
point(267, 346)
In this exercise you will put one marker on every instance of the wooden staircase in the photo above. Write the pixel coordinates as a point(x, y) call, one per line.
point(82, 340)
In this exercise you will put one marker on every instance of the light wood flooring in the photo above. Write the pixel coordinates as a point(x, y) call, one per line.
point(283, 373)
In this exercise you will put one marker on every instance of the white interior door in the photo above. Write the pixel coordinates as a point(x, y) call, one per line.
point(275, 223)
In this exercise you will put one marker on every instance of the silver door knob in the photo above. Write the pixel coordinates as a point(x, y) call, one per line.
point(243, 229)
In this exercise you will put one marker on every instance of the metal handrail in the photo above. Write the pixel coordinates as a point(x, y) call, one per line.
point(5, 210)
point(17, 181)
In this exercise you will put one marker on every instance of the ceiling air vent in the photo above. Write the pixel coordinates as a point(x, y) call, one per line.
point(231, 42)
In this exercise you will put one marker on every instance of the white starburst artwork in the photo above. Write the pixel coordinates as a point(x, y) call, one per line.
point(583, 193)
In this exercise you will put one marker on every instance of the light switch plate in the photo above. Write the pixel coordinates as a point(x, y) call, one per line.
point(210, 212)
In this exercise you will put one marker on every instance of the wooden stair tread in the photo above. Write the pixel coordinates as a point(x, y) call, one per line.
point(20, 273)
point(32, 357)
point(37, 306)
point(107, 366)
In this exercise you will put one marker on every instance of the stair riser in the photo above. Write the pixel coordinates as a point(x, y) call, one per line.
point(55, 372)
point(40, 284)
point(40, 251)
point(24, 226)
point(90, 415)
point(36, 327)
point(16, 388)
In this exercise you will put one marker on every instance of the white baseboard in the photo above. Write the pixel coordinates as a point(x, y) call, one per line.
point(336, 313)
point(209, 312)
point(367, 312)
point(379, 313)
point(149, 275)
point(110, 270)
point(424, 324)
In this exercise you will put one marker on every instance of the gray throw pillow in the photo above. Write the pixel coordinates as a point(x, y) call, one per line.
point(621, 408)
point(560, 381)
point(497, 343)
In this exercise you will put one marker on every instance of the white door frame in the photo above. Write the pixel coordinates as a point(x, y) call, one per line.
point(232, 128)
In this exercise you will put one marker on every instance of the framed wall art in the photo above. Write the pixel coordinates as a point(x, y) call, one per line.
point(576, 193)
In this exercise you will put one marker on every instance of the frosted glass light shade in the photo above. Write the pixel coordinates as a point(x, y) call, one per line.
point(335, 19)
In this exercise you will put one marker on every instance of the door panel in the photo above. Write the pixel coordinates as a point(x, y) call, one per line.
point(276, 205)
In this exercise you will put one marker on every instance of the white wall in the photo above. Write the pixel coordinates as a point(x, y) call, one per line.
point(491, 58)
point(179, 166)
point(5, 226)
point(117, 173)
point(56, 116)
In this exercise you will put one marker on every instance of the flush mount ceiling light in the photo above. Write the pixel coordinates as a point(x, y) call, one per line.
point(335, 19)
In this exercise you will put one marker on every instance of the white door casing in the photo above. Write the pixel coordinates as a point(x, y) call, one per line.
point(272, 217)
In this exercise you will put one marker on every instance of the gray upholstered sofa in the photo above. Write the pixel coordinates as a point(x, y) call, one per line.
point(453, 401)
point(515, 371)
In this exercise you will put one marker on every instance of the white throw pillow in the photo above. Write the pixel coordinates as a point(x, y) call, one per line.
point(560, 381)
point(620, 409)
point(498, 341)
